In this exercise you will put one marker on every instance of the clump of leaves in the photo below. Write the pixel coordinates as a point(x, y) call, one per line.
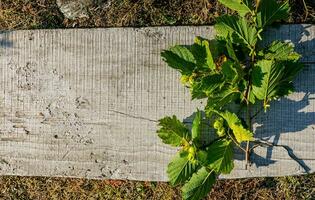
point(233, 70)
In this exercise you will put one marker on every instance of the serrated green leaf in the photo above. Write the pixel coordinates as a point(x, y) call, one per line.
point(231, 51)
point(220, 156)
point(180, 169)
point(292, 68)
point(241, 134)
point(232, 71)
point(202, 157)
point(273, 79)
point(251, 97)
point(199, 185)
point(270, 11)
point(173, 131)
point(281, 51)
point(217, 47)
point(238, 28)
point(202, 53)
point(266, 75)
point(180, 58)
point(206, 86)
point(241, 6)
point(196, 128)
point(221, 99)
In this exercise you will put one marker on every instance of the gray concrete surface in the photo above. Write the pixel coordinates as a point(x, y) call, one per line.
point(84, 103)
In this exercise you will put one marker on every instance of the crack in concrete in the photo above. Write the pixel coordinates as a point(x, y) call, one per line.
point(133, 116)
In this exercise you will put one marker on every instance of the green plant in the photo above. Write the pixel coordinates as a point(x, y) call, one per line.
point(234, 70)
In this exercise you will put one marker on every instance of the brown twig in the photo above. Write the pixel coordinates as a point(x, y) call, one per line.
point(306, 10)
point(247, 155)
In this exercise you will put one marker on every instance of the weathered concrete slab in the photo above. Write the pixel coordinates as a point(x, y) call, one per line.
point(84, 103)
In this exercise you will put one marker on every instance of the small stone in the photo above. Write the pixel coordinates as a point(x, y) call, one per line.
point(74, 9)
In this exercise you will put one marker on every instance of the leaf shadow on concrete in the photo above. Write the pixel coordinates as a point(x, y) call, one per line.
point(4, 42)
point(293, 114)
point(289, 115)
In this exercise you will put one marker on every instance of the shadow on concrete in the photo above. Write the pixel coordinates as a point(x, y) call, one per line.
point(286, 116)
point(4, 41)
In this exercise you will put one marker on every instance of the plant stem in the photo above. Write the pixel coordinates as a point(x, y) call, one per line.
point(248, 116)
point(249, 123)
point(257, 5)
point(237, 144)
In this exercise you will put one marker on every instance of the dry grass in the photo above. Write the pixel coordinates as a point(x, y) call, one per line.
point(286, 188)
point(82, 189)
point(294, 188)
point(30, 14)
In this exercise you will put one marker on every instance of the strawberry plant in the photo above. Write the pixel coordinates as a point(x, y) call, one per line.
point(236, 69)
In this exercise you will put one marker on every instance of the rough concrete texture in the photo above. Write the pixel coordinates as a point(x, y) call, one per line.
point(84, 103)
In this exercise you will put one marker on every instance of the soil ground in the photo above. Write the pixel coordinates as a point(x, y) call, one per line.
point(36, 14)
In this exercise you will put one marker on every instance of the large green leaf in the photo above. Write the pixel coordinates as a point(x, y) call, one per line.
point(217, 47)
point(202, 53)
point(270, 11)
point(221, 99)
point(231, 51)
point(206, 86)
point(196, 128)
point(265, 76)
point(273, 79)
point(220, 156)
point(180, 168)
point(240, 133)
point(241, 6)
point(199, 185)
point(280, 51)
point(180, 58)
point(173, 131)
point(292, 68)
point(238, 28)
point(202, 157)
point(232, 71)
